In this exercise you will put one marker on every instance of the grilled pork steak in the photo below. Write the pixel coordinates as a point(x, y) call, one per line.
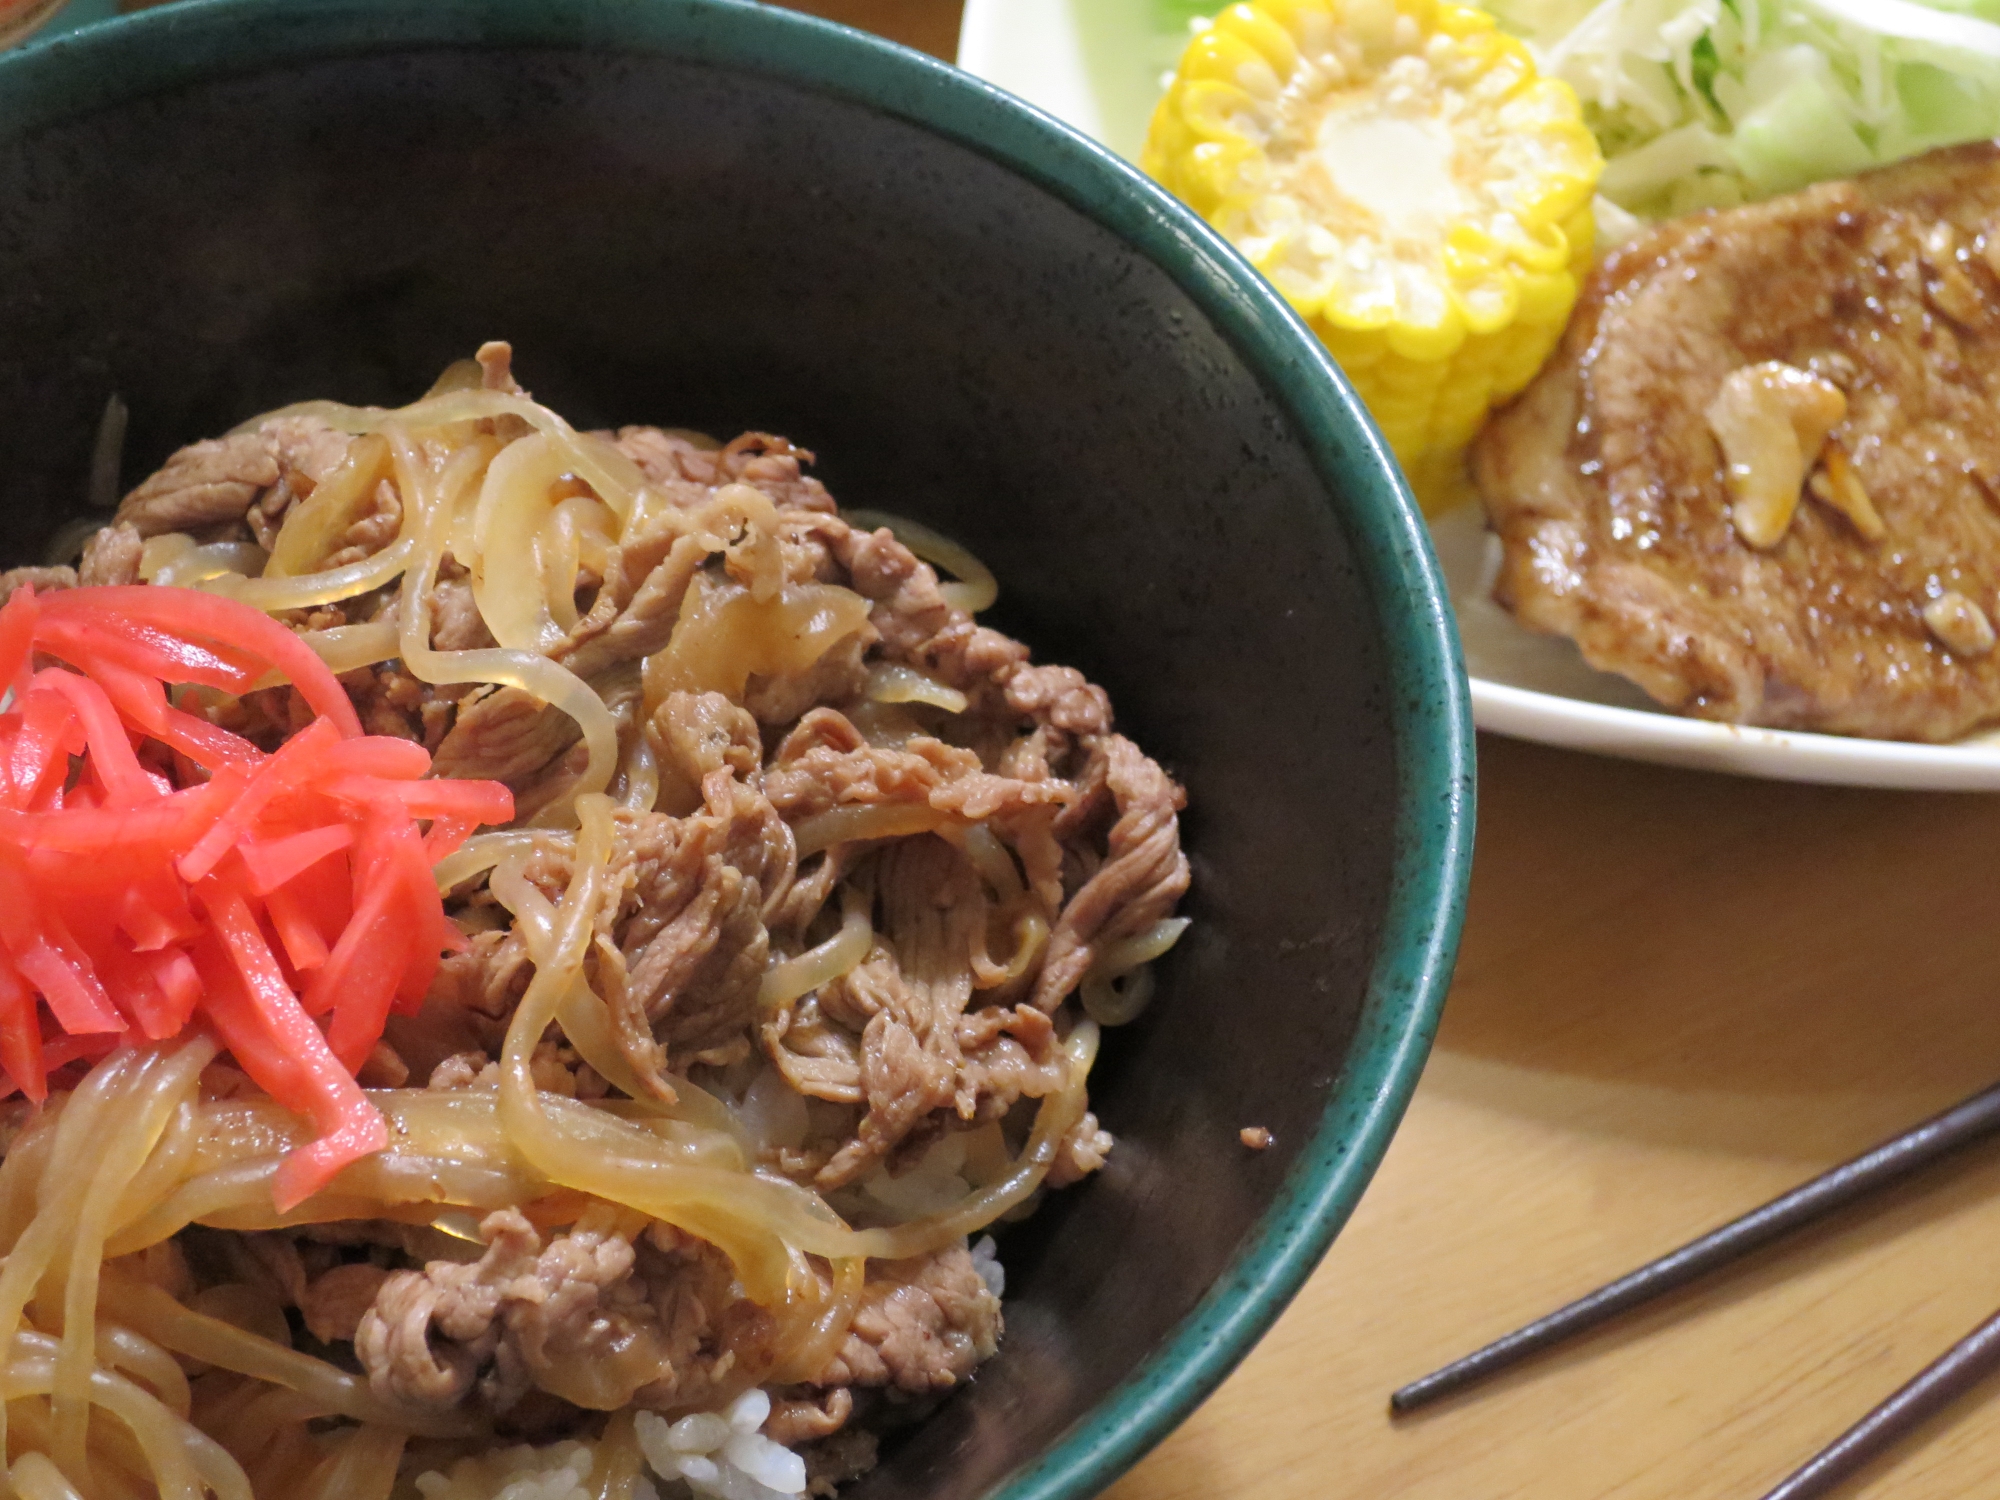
point(1607, 486)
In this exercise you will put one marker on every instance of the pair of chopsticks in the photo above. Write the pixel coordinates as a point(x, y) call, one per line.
point(1943, 1381)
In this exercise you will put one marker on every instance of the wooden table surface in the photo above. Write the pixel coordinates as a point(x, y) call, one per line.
point(1678, 994)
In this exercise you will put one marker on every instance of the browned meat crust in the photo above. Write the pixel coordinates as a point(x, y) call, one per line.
point(1608, 491)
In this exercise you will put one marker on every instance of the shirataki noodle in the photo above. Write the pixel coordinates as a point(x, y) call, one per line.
point(787, 980)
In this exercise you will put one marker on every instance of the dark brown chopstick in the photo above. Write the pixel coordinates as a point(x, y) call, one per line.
point(1890, 1162)
point(1941, 1382)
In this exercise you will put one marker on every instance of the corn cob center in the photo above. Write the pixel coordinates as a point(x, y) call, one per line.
point(1390, 171)
point(1374, 149)
point(1400, 172)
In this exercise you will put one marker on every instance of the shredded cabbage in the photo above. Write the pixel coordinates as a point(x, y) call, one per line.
point(1707, 103)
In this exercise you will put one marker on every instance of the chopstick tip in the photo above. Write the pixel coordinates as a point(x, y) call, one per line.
point(1422, 1392)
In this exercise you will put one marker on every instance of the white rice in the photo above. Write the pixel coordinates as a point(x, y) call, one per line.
point(719, 1453)
point(557, 1472)
point(723, 1453)
point(986, 1261)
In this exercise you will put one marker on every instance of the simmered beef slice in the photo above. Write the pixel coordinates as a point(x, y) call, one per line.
point(601, 1320)
point(1608, 490)
point(587, 1315)
point(215, 482)
point(923, 1325)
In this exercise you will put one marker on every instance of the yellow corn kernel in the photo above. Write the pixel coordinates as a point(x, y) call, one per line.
point(1262, 31)
point(1401, 173)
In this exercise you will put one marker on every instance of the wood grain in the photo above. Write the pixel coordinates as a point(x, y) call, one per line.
point(1678, 995)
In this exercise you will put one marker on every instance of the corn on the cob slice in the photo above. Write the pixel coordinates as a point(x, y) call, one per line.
point(1401, 173)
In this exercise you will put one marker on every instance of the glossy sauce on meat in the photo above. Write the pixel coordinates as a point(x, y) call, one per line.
point(1607, 488)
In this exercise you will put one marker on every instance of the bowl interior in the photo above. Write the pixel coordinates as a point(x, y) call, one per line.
point(702, 244)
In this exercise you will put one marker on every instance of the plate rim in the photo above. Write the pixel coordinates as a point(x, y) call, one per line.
point(1740, 749)
point(1656, 736)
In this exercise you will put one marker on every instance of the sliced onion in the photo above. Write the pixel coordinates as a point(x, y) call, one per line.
point(638, 785)
point(274, 595)
point(1116, 1002)
point(990, 858)
point(314, 527)
point(617, 480)
point(1119, 985)
point(880, 820)
point(725, 635)
point(482, 852)
point(175, 560)
point(434, 498)
point(1141, 948)
point(346, 647)
point(507, 579)
point(790, 978)
point(156, 552)
point(890, 682)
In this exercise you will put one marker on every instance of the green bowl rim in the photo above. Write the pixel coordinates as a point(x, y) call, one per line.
point(154, 50)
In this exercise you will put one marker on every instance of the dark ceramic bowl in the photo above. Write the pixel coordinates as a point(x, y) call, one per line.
point(717, 215)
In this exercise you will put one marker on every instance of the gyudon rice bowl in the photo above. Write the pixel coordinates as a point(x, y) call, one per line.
point(640, 1140)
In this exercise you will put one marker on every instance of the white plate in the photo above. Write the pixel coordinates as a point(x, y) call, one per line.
point(1098, 64)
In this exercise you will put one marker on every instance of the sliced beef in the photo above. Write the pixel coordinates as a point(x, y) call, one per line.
point(895, 1034)
point(923, 1326)
point(555, 1069)
point(391, 701)
point(371, 531)
point(688, 468)
point(683, 946)
point(488, 977)
point(698, 734)
point(1081, 1152)
point(689, 993)
point(111, 556)
point(1143, 876)
point(917, 626)
point(825, 763)
point(689, 932)
point(808, 1415)
point(334, 1302)
point(639, 600)
point(1060, 696)
point(215, 482)
point(504, 734)
point(43, 580)
point(586, 1316)
point(495, 359)
point(456, 624)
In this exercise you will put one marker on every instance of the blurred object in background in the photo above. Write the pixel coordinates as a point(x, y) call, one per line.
point(931, 25)
point(19, 18)
point(1099, 65)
